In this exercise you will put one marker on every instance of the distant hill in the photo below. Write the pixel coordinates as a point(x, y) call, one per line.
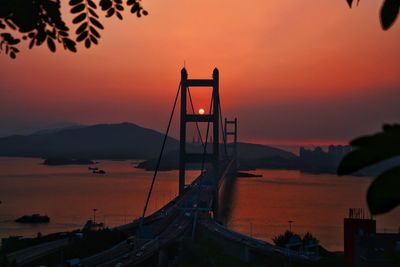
point(248, 152)
point(18, 127)
point(120, 141)
point(102, 141)
point(247, 155)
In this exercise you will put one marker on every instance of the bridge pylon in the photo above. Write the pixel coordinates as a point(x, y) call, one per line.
point(231, 130)
point(212, 117)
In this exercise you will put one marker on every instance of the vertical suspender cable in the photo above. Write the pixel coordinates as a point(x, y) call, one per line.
point(223, 130)
point(206, 141)
point(197, 124)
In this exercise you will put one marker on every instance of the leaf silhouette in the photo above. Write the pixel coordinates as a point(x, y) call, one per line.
point(96, 23)
point(75, 2)
point(350, 2)
point(69, 44)
point(371, 149)
point(51, 45)
point(389, 13)
point(79, 18)
point(41, 22)
point(384, 193)
point(78, 8)
point(88, 20)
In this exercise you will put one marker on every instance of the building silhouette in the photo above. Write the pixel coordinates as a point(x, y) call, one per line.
point(317, 160)
point(364, 247)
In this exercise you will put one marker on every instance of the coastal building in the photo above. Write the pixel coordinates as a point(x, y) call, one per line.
point(364, 247)
point(318, 160)
point(377, 250)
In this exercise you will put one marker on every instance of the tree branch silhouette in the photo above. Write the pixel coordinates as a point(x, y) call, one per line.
point(388, 14)
point(40, 21)
point(384, 192)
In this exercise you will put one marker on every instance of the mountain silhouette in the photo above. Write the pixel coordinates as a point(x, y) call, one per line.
point(250, 156)
point(115, 141)
point(102, 141)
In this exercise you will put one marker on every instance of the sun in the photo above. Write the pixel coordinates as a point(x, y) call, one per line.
point(201, 111)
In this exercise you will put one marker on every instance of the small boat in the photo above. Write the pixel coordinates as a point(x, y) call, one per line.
point(246, 174)
point(99, 171)
point(34, 218)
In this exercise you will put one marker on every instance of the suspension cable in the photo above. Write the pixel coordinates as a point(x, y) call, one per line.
point(223, 130)
point(197, 124)
point(162, 150)
point(206, 141)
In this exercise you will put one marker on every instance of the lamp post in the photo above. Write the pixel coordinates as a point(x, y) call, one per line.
point(290, 225)
point(94, 215)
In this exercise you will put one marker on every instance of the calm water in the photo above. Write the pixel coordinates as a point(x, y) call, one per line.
point(316, 203)
point(261, 207)
point(68, 194)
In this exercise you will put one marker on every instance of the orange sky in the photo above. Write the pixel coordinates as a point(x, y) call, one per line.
point(290, 70)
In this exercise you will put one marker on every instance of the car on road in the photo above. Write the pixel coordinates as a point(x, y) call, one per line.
point(74, 262)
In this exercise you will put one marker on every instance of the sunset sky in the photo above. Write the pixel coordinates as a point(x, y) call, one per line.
point(295, 71)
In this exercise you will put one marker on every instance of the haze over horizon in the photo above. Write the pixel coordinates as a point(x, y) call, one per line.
point(292, 72)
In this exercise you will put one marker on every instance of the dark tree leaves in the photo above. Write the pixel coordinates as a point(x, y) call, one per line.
point(87, 18)
point(389, 13)
point(79, 18)
point(372, 149)
point(350, 2)
point(69, 45)
point(78, 8)
point(112, 7)
point(40, 21)
point(51, 44)
point(384, 193)
point(7, 43)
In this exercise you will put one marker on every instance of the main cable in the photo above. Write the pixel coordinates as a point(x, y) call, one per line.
point(161, 152)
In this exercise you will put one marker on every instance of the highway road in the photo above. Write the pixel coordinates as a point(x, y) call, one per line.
point(166, 225)
point(36, 252)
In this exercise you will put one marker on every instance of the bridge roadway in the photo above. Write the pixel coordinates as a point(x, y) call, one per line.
point(167, 225)
point(30, 254)
point(245, 246)
point(201, 192)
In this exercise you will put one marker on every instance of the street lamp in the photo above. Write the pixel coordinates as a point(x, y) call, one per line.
point(290, 225)
point(94, 215)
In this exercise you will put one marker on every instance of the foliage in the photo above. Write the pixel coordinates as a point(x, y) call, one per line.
point(40, 21)
point(283, 239)
point(384, 192)
point(308, 238)
point(389, 12)
point(207, 252)
point(13, 243)
point(5, 262)
point(93, 242)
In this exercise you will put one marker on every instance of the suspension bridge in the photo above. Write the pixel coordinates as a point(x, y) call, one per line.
point(194, 213)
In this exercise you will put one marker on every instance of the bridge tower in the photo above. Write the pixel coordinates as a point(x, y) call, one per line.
point(231, 130)
point(213, 118)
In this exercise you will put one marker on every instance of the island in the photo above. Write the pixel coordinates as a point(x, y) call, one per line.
point(34, 218)
point(53, 161)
